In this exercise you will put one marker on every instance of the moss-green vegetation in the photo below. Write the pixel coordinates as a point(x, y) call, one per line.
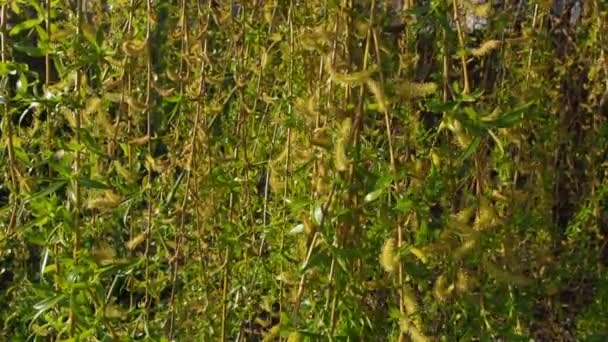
point(341, 170)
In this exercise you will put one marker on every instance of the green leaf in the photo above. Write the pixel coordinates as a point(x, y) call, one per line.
point(470, 149)
point(174, 188)
point(89, 142)
point(93, 184)
point(471, 113)
point(29, 50)
point(90, 35)
point(511, 118)
point(7, 68)
point(318, 258)
point(405, 205)
point(372, 196)
point(49, 190)
point(46, 304)
point(25, 25)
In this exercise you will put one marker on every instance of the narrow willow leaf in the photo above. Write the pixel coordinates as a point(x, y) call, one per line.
point(318, 215)
point(174, 188)
point(48, 303)
point(372, 196)
point(30, 50)
point(52, 268)
point(93, 184)
point(45, 305)
point(511, 118)
point(25, 25)
point(471, 148)
point(49, 190)
point(297, 229)
point(498, 142)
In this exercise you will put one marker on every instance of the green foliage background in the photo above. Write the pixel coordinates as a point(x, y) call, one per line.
point(303, 170)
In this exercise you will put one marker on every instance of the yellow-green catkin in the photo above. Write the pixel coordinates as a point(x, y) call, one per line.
point(442, 289)
point(411, 90)
point(378, 92)
point(414, 332)
point(464, 282)
point(341, 160)
point(389, 259)
point(485, 48)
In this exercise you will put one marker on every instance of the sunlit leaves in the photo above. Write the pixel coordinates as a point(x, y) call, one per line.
point(263, 171)
point(25, 25)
